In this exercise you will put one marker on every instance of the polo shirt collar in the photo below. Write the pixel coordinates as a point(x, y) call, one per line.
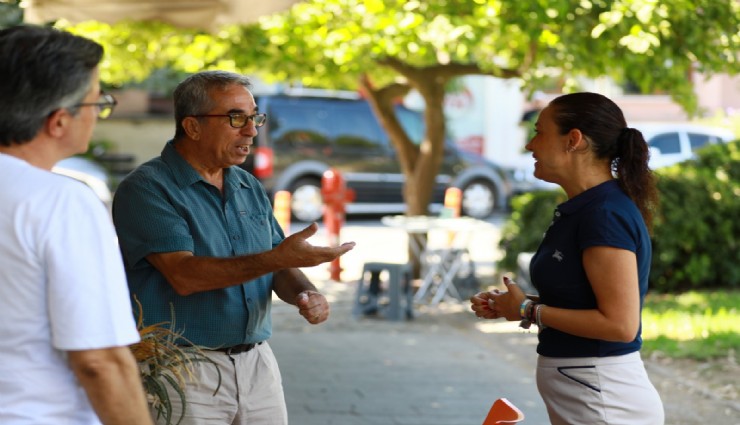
point(186, 174)
point(582, 199)
point(235, 180)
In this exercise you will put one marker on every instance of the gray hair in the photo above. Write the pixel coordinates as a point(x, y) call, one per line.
point(42, 70)
point(192, 95)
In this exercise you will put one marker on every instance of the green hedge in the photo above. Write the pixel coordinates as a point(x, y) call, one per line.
point(696, 239)
point(531, 215)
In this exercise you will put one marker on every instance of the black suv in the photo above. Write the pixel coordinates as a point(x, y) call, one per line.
point(306, 134)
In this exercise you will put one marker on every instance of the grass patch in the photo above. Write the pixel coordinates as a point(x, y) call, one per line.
point(697, 324)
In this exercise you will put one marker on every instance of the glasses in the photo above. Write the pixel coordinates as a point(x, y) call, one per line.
point(105, 105)
point(240, 120)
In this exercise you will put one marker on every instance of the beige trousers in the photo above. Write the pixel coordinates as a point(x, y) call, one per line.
point(251, 391)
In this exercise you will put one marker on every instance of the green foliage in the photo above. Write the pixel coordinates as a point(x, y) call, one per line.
point(330, 43)
point(134, 50)
point(696, 235)
point(531, 215)
point(10, 13)
point(696, 324)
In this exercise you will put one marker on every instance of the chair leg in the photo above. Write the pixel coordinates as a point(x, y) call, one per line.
point(398, 291)
point(408, 292)
point(368, 292)
point(394, 294)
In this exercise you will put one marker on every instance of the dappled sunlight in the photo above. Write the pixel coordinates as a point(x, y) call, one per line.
point(497, 327)
point(701, 324)
point(683, 327)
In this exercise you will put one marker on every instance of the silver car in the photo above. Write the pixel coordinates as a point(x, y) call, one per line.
point(89, 172)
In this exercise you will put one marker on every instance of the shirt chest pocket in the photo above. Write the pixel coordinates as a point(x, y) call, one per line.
point(252, 234)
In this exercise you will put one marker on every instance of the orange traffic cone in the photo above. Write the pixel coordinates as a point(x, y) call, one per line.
point(281, 209)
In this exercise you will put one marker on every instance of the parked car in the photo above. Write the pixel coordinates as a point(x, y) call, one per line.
point(88, 172)
point(671, 143)
point(308, 133)
point(521, 175)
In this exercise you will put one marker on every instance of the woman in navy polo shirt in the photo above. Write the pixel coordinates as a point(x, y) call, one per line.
point(591, 269)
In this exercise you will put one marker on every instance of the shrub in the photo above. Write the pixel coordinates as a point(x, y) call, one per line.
point(531, 214)
point(696, 236)
point(697, 233)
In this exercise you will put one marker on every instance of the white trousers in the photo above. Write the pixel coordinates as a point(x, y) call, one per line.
point(598, 391)
point(251, 391)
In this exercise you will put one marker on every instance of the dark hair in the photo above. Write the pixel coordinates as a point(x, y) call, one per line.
point(42, 69)
point(192, 95)
point(603, 124)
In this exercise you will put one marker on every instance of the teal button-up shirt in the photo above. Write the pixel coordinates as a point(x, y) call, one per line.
point(166, 206)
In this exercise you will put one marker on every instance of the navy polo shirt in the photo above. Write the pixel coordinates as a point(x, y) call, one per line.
point(166, 206)
point(601, 216)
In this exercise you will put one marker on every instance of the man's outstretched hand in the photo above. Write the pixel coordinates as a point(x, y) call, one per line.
point(296, 251)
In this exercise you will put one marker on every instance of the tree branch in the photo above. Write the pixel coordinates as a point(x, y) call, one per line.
point(381, 101)
point(445, 71)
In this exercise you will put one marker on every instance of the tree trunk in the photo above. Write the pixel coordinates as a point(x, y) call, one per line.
point(419, 163)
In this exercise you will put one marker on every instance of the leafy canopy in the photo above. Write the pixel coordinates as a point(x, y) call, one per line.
point(655, 44)
point(330, 43)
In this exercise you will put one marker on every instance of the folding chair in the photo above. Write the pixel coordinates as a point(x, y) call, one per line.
point(503, 412)
point(447, 272)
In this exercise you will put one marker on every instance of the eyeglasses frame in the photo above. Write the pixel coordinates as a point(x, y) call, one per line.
point(236, 114)
point(105, 108)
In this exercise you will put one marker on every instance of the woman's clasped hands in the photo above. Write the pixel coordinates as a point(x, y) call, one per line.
point(496, 303)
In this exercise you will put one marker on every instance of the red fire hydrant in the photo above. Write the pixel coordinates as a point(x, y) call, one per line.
point(336, 195)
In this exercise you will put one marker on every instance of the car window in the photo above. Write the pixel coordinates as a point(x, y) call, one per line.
point(298, 125)
point(352, 125)
point(698, 140)
point(666, 143)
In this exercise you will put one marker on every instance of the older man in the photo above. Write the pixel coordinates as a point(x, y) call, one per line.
point(198, 235)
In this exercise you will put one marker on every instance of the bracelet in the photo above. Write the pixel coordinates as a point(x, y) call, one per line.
point(531, 312)
point(538, 316)
point(525, 323)
point(523, 308)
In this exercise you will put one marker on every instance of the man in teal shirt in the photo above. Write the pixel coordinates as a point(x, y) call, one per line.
point(198, 236)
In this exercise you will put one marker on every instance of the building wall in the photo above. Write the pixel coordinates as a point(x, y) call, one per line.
point(143, 136)
point(721, 92)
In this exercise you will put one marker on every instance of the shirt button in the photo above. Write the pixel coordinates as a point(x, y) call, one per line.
point(235, 237)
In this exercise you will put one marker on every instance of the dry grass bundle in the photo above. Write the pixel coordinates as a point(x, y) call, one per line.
point(163, 363)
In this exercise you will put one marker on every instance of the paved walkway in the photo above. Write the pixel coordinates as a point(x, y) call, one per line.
point(445, 367)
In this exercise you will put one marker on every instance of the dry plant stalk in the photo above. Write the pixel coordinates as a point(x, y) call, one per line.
point(163, 363)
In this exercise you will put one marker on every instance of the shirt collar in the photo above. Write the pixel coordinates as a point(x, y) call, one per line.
point(582, 199)
point(185, 174)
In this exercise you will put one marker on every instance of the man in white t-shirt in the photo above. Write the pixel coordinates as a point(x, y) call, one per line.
point(65, 317)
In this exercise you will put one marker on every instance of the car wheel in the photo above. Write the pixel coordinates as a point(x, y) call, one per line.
point(306, 203)
point(478, 199)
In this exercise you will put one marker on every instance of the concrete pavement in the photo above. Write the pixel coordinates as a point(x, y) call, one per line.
point(444, 367)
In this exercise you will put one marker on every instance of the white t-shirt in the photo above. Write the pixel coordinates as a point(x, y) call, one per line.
point(62, 288)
